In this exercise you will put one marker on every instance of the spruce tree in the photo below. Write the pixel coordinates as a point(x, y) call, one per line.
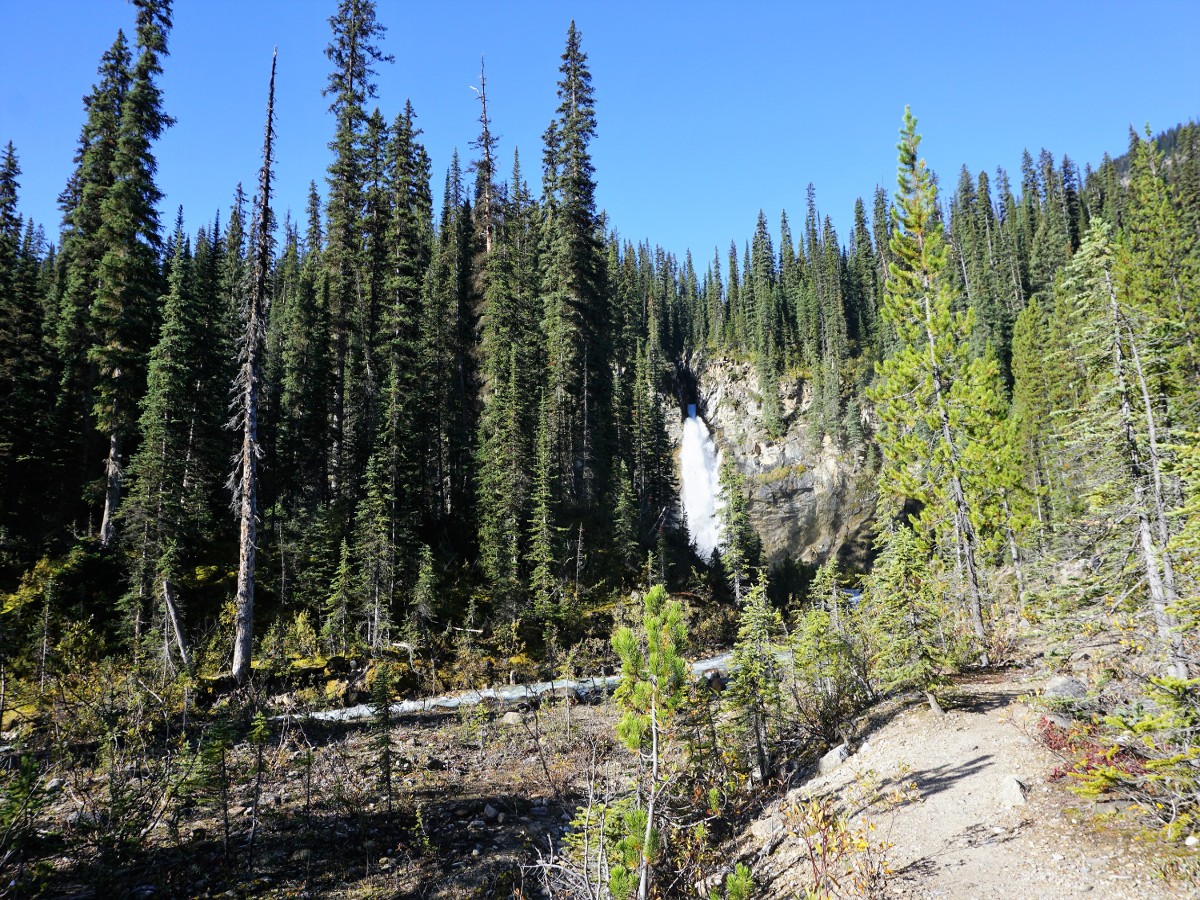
point(862, 285)
point(128, 278)
point(901, 605)
point(766, 318)
point(543, 527)
point(304, 375)
point(354, 53)
point(411, 245)
point(25, 440)
point(81, 250)
point(1041, 373)
point(739, 542)
point(651, 473)
point(931, 393)
point(158, 519)
point(733, 333)
point(576, 318)
point(338, 626)
point(508, 421)
point(1116, 433)
point(755, 688)
point(446, 348)
point(1159, 268)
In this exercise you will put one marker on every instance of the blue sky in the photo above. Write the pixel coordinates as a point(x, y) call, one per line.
point(707, 111)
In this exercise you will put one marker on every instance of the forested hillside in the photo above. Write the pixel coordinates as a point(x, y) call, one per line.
point(430, 418)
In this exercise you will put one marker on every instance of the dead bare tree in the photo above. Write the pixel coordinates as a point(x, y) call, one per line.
point(244, 479)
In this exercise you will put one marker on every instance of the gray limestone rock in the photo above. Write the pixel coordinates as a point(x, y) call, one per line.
point(1012, 792)
point(807, 502)
point(1064, 687)
point(833, 759)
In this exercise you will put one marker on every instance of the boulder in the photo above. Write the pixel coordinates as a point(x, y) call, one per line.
point(1012, 792)
point(1064, 687)
point(833, 759)
point(763, 829)
point(1111, 807)
point(1062, 721)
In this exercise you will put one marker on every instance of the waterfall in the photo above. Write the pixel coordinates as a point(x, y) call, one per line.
point(701, 487)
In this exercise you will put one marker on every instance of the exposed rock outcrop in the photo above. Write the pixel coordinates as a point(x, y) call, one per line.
point(807, 503)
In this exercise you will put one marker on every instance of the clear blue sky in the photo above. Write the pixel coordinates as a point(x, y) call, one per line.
point(707, 111)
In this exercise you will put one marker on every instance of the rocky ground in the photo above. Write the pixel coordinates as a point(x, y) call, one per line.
point(961, 805)
point(474, 803)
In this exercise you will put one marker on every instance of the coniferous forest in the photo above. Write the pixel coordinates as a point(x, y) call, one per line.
point(421, 438)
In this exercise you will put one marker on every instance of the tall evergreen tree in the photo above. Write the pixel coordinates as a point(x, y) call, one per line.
point(739, 542)
point(157, 516)
point(862, 285)
point(766, 324)
point(447, 347)
point(1159, 266)
point(354, 52)
point(302, 390)
point(930, 392)
point(576, 321)
point(81, 251)
point(24, 439)
point(128, 279)
point(1117, 431)
point(510, 349)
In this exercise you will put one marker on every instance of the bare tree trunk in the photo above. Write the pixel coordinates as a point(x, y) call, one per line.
point(3, 684)
point(1037, 494)
point(486, 146)
point(1013, 551)
point(45, 640)
point(1156, 471)
point(112, 491)
point(173, 616)
point(644, 866)
point(964, 531)
point(1162, 591)
point(248, 384)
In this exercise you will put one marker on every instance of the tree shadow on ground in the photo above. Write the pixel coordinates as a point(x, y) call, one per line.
point(927, 782)
point(428, 846)
point(941, 778)
point(975, 836)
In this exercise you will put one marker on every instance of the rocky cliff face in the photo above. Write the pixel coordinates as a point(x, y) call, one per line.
point(807, 503)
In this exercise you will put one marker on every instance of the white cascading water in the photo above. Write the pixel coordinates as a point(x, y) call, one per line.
point(701, 486)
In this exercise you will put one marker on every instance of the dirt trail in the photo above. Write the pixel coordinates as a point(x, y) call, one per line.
point(962, 831)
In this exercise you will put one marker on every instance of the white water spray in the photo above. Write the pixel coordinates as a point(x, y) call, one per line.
point(701, 486)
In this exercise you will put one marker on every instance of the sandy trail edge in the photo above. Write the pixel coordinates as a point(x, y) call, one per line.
point(962, 836)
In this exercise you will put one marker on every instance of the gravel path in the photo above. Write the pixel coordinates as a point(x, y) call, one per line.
point(964, 829)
